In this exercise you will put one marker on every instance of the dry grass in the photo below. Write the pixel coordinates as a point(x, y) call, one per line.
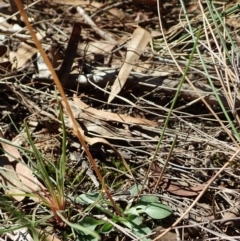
point(174, 127)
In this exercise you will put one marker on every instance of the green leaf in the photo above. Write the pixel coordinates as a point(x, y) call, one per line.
point(91, 223)
point(158, 210)
point(131, 221)
point(134, 190)
point(148, 199)
point(137, 220)
point(144, 201)
point(132, 210)
point(106, 228)
point(80, 228)
point(87, 198)
point(141, 231)
point(140, 206)
point(126, 223)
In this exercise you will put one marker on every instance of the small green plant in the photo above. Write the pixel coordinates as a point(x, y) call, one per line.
point(53, 197)
point(52, 194)
point(133, 215)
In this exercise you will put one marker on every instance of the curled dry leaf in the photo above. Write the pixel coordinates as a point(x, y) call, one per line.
point(10, 180)
point(16, 176)
point(24, 53)
point(139, 41)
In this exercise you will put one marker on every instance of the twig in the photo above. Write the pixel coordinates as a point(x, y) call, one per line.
point(114, 5)
point(100, 32)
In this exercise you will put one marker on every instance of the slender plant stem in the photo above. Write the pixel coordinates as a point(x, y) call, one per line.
point(165, 163)
point(170, 111)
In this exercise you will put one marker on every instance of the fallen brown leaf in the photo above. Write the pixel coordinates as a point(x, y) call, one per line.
point(180, 190)
point(139, 41)
point(17, 177)
point(24, 53)
point(175, 187)
point(108, 116)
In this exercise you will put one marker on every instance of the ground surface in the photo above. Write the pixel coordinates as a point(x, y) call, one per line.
point(134, 122)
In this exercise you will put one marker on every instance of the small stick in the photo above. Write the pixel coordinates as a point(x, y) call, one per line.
point(100, 32)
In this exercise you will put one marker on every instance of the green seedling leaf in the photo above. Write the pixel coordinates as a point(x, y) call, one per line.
point(126, 223)
point(82, 229)
point(141, 231)
point(137, 220)
point(145, 201)
point(133, 210)
point(158, 210)
point(91, 223)
point(134, 190)
point(106, 228)
point(148, 199)
point(87, 198)
point(138, 208)
point(135, 225)
point(130, 221)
